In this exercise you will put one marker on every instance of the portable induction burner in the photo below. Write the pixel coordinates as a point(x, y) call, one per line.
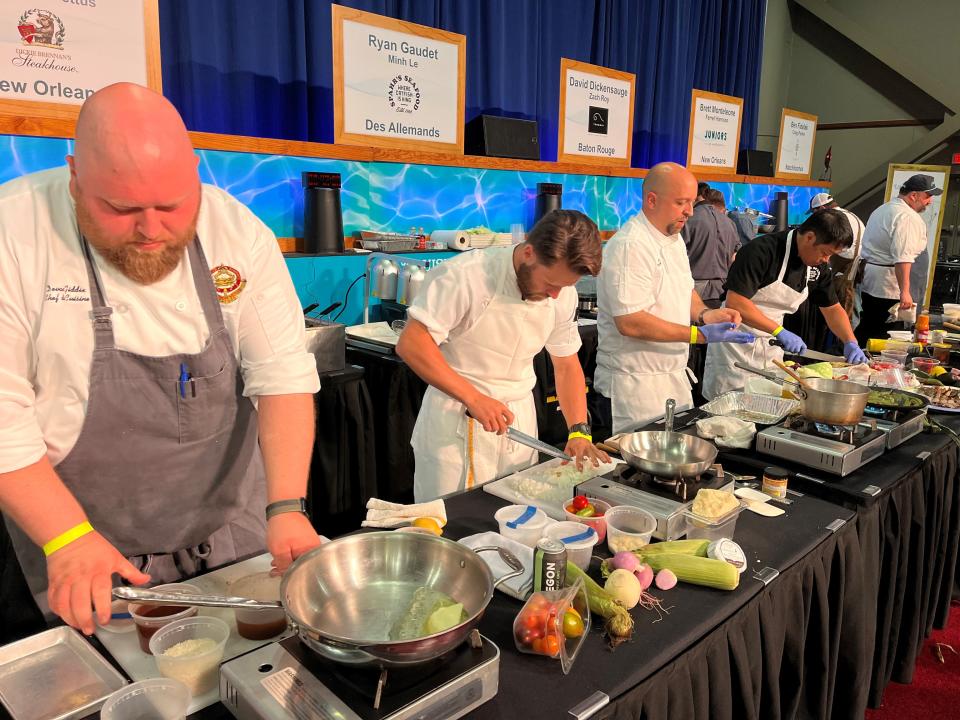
point(899, 424)
point(836, 449)
point(287, 680)
point(666, 502)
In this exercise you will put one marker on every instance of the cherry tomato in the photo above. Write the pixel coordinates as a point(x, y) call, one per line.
point(537, 602)
point(532, 620)
point(551, 645)
point(538, 645)
point(525, 636)
point(580, 502)
point(572, 624)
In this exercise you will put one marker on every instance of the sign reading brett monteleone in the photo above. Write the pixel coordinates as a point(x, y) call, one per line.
point(714, 132)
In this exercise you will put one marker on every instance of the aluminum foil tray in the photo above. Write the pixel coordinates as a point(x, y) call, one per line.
point(55, 675)
point(760, 409)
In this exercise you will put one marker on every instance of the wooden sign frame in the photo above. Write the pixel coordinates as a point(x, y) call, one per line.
point(696, 94)
point(338, 14)
point(567, 64)
point(65, 111)
point(784, 114)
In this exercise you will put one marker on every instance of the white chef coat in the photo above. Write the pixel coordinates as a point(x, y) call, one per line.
point(643, 270)
point(895, 233)
point(473, 309)
point(45, 313)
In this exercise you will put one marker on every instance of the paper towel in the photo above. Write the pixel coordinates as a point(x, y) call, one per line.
point(453, 239)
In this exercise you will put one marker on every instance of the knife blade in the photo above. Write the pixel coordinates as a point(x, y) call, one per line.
point(532, 442)
point(813, 354)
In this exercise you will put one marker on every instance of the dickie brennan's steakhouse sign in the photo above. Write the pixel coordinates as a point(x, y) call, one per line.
point(65, 50)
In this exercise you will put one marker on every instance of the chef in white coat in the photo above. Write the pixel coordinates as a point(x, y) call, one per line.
point(770, 279)
point(649, 312)
point(472, 334)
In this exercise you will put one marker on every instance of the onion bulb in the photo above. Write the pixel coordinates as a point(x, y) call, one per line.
point(624, 587)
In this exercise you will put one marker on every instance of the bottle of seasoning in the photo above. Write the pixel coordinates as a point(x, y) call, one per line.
point(775, 482)
point(922, 328)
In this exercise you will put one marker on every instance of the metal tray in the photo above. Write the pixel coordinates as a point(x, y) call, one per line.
point(759, 409)
point(55, 675)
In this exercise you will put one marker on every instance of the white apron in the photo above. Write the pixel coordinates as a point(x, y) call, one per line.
point(643, 380)
point(776, 301)
point(453, 452)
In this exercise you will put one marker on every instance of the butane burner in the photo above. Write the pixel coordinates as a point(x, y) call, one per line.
point(287, 680)
point(664, 499)
point(836, 449)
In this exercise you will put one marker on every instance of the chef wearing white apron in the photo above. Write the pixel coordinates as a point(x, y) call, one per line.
point(472, 335)
point(647, 302)
point(771, 278)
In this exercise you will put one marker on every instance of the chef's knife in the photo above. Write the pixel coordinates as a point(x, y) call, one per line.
point(536, 444)
point(813, 354)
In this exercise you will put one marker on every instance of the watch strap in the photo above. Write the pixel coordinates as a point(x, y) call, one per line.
point(284, 506)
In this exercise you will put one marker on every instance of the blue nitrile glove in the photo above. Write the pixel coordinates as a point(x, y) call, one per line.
point(791, 342)
point(853, 354)
point(725, 332)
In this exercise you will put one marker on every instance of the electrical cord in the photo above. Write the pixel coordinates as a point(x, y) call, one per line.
point(346, 296)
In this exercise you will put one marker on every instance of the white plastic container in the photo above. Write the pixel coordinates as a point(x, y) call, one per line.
point(515, 526)
point(628, 528)
point(197, 670)
point(702, 528)
point(155, 699)
point(577, 538)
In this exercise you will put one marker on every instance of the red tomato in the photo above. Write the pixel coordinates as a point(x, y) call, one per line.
point(538, 645)
point(551, 645)
point(580, 502)
point(532, 620)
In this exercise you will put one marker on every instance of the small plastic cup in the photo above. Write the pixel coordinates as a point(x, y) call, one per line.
point(260, 624)
point(896, 358)
point(595, 521)
point(150, 618)
point(925, 364)
point(523, 523)
point(197, 670)
point(577, 539)
point(154, 699)
point(628, 528)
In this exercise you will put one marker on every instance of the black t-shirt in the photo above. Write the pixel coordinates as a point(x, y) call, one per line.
point(758, 265)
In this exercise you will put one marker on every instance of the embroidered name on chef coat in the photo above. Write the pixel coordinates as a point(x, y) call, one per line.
point(67, 293)
point(228, 283)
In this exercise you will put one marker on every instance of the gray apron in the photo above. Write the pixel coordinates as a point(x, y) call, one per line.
point(173, 479)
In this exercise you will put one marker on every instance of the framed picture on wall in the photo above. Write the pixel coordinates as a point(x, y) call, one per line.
point(397, 84)
point(58, 54)
point(795, 148)
point(714, 136)
point(596, 114)
point(921, 274)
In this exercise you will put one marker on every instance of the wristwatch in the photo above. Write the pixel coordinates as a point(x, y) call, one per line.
point(580, 430)
point(284, 506)
point(700, 316)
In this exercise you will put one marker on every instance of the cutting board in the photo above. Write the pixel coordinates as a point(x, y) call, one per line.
point(506, 488)
point(125, 648)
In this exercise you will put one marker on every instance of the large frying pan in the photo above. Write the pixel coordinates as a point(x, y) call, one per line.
point(343, 597)
point(668, 455)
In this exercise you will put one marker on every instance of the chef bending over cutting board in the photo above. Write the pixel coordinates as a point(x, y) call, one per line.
point(473, 333)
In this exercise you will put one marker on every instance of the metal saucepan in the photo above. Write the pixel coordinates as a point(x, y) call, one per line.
point(343, 597)
point(836, 402)
point(665, 454)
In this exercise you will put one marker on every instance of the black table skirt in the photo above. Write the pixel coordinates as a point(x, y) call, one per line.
point(793, 651)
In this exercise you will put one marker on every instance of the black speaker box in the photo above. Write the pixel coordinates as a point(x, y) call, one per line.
point(755, 162)
point(494, 136)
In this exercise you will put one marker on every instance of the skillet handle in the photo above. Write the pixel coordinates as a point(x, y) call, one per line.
point(168, 597)
point(509, 558)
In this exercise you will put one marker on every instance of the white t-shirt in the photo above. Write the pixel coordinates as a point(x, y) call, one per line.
point(856, 227)
point(641, 266)
point(895, 233)
point(458, 291)
point(45, 313)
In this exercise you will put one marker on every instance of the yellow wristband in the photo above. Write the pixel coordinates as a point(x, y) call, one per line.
point(777, 330)
point(588, 438)
point(693, 334)
point(74, 533)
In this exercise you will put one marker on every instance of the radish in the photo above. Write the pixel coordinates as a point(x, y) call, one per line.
point(625, 560)
point(666, 579)
point(644, 574)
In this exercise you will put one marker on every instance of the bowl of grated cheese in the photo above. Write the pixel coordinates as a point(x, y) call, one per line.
point(190, 650)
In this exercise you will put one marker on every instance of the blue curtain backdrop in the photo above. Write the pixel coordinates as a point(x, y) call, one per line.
point(264, 67)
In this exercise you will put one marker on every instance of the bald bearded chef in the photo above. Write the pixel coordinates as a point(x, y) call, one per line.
point(472, 335)
point(143, 315)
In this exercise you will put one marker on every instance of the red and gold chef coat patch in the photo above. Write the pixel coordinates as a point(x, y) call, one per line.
point(228, 283)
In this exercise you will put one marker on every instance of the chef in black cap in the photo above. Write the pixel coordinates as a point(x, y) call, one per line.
point(895, 235)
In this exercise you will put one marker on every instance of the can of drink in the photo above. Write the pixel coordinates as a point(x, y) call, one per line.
point(549, 565)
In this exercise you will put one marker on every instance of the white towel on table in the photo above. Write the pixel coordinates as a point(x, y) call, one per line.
point(381, 513)
point(518, 587)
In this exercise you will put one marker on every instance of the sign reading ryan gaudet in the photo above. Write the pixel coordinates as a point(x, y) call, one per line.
point(396, 83)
